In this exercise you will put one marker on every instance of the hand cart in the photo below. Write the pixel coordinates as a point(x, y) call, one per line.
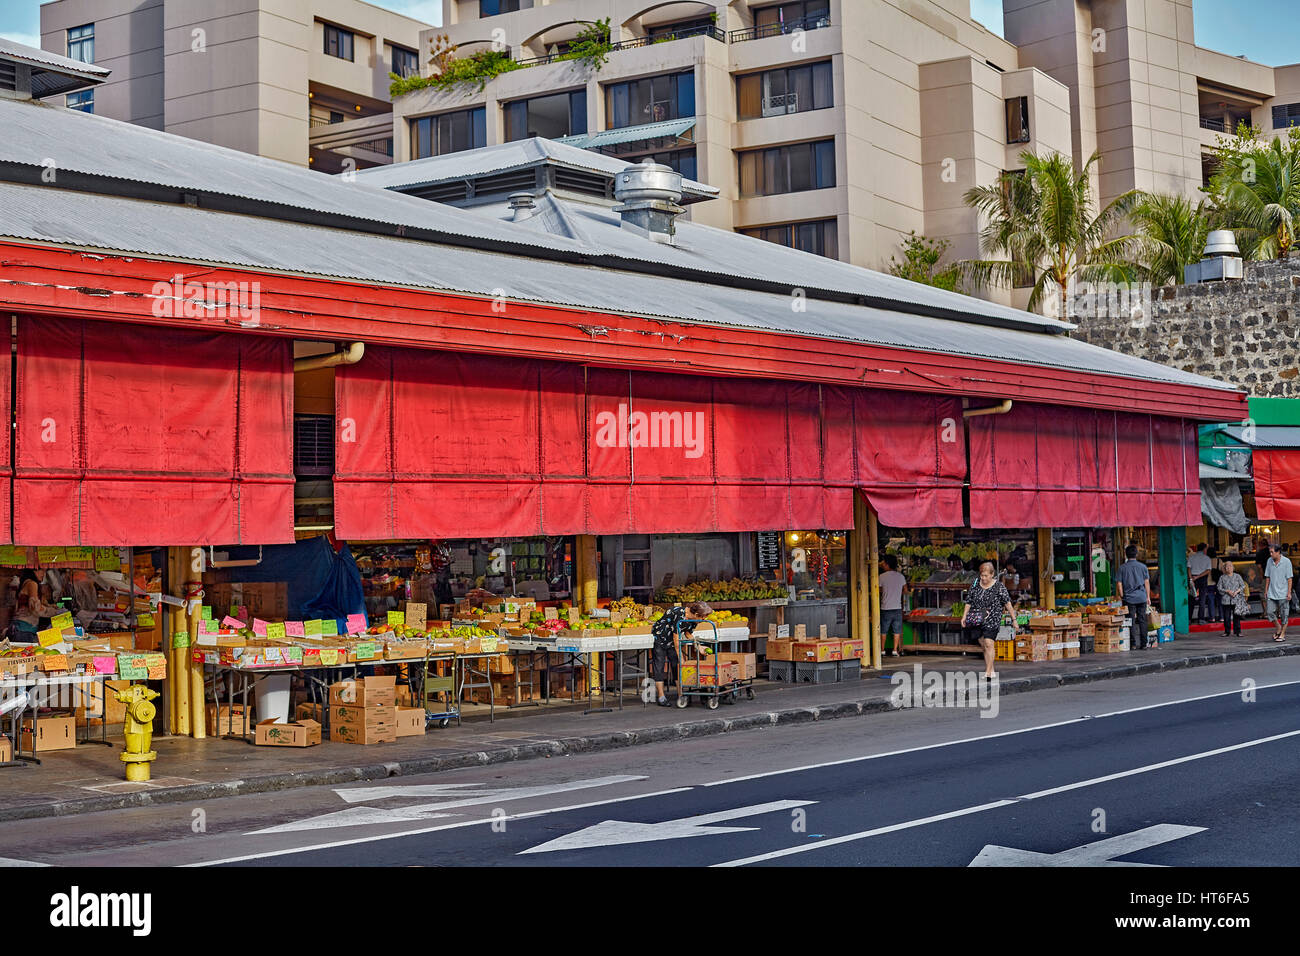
point(710, 694)
point(438, 689)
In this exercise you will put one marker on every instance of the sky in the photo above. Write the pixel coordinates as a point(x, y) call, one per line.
point(1235, 27)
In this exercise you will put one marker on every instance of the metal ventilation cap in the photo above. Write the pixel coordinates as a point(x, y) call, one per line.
point(523, 205)
point(1221, 242)
point(648, 180)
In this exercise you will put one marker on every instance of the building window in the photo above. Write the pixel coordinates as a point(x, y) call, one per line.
point(820, 237)
point(1286, 114)
point(649, 100)
point(405, 62)
point(787, 169)
point(490, 8)
point(793, 90)
point(1018, 119)
point(678, 160)
point(338, 42)
point(83, 100)
point(81, 43)
point(448, 132)
point(560, 114)
point(785, 17)
point(335, 117)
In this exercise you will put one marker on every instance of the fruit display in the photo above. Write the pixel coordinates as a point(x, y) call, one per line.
point(737, 589)
point(727, 617)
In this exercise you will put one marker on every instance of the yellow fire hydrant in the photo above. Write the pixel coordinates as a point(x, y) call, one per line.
point(138, 730)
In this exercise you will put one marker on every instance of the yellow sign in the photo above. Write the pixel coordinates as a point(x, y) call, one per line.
point(50, 555)
point(11, 556)
point(107, 559)
point(61, 621)
point(50, 637)
point(275, 630)
point(78, 554)
point(396, 618)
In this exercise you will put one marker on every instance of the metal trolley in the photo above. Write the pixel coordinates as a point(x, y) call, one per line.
point(710, 694)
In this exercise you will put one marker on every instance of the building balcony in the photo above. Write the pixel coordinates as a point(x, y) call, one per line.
point(778, 29)
point(636, 43)
point(368, 138)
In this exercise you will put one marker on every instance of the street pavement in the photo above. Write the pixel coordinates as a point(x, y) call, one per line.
point(1192, 767)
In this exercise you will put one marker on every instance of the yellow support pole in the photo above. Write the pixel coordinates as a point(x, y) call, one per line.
point(173, 617)
point(587, 585)
point(860, 604)
point(180, 673)
point(194, 672)
point(873, 556)
point(1046, 568)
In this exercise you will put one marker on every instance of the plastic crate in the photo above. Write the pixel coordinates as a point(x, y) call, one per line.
point(816, 672)
point(849, 670)
point(781, 671)
point(1085, 643)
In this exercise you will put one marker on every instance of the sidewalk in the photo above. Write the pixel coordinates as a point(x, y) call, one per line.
point(90, 778)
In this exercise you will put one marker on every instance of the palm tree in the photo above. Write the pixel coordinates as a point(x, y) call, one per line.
point(1041, 220)
point(1256, 191)
point(1171, 233)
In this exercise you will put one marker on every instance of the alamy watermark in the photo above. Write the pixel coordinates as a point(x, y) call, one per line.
point(944, 689)
point(179, 299)
point(656, 429)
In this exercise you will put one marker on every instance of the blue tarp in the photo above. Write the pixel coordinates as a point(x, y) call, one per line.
point(322, 583)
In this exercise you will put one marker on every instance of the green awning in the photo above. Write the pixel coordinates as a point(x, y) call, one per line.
point(664, 129)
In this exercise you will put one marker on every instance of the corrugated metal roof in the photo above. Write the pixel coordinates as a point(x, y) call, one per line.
point(1264, 436)
point(97, 146)
point(49, 214)
point(503, 158)
point(11, 49)
point(125, 153)
point(628, 134)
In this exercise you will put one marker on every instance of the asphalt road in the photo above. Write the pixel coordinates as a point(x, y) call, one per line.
point(1173, 770)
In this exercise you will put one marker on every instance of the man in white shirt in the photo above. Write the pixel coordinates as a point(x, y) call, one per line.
point(1277, 596)
point(1198, 569)
point(892, 587)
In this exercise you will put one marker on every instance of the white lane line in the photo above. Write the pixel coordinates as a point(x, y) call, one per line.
point(7, 861)
point(446, 826)
point(1003, 733)
point(851, 837)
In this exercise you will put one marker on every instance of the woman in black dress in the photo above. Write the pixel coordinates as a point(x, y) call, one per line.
point(985, 601)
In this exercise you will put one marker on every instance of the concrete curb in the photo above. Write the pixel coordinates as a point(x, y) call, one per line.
point(592, 743)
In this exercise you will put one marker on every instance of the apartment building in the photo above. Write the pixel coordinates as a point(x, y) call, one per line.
point(838, 126)
point(305, 81)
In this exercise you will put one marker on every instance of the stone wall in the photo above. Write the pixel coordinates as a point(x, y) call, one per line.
point(1246, 331)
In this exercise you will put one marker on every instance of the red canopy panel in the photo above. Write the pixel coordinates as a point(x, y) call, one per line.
point(436, 444)
point(1055, 466)
point(133, 435)
point(6, 468)
point(1277, 483)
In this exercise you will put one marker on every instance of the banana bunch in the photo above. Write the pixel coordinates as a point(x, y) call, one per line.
point(737, 589)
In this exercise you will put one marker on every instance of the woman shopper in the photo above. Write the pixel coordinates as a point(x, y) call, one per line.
point(985, 601)
point(1232, 596)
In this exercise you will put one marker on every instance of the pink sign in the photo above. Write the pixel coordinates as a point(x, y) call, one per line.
point(105, 665)
point(294, 629)
point(356, 623)
point(259, 627)
point(232, 622)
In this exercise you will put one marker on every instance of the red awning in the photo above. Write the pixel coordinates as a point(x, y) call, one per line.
point(1277, 483)
point(135, 435)
point(437, 444)
point(6, 468)
point(1053, 466)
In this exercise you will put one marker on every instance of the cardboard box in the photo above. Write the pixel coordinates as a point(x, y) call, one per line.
point(268, 600)
point(299, 733)
point(801, 632)
point(351, 733)
point(53, 732)
point(410, 721)
point(818, 651)
point(307, 710)
point(1051, 621)
point(6, 749)
point(225, 719)
point(365, 692)
point(746, 664)
point(852, 650)
point(779, 649)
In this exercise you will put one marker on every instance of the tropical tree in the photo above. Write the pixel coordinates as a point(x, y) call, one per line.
point(1255, 190)
point(1040, 220)
point(920, 262)
point(1170, 232)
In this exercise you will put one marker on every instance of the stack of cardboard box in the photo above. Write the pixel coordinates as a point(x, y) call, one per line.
point(364, 711)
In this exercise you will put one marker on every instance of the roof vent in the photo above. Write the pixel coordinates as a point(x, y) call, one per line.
point(1221, 259)
point(649, 194)
point(523, 205)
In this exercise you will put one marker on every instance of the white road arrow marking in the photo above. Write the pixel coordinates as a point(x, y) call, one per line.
point(6, 861)
point(614, 832)
point(1099, 853)
point(466, 795)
